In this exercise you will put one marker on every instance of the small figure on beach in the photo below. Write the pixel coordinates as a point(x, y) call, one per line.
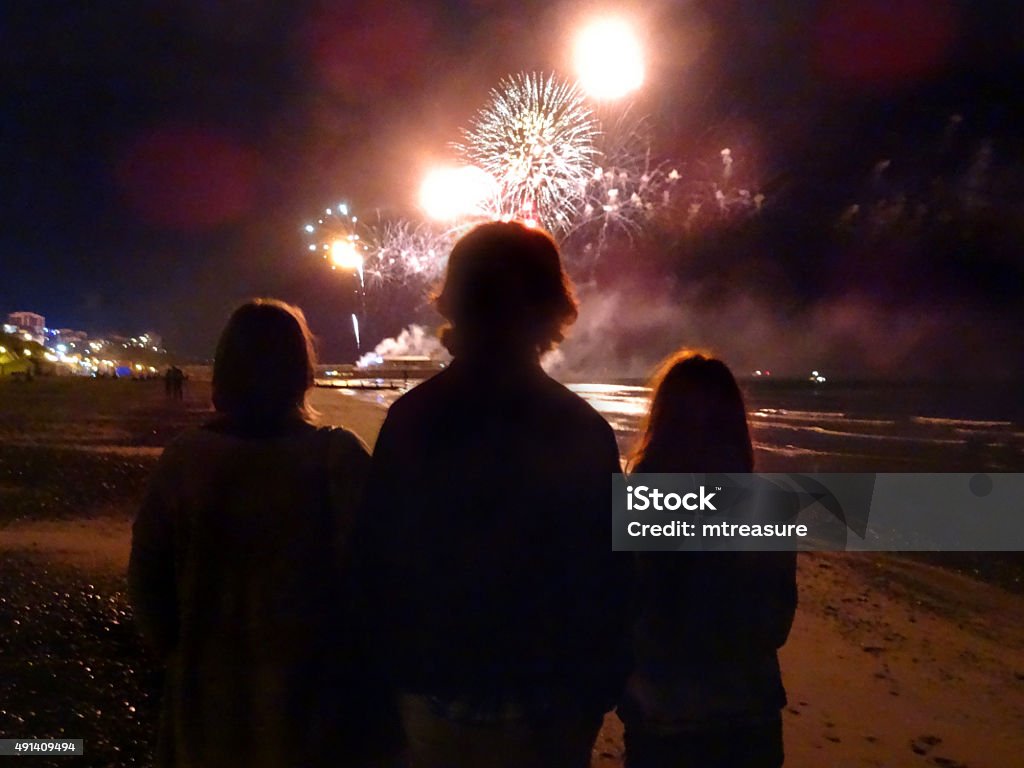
point(174, 382)
point(706, 689)
point(494, 598)
point(239, 568)
point(178, 383)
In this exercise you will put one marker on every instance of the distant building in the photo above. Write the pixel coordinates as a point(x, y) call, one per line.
point(69, 336)
point(29, 325)
point(28, 321)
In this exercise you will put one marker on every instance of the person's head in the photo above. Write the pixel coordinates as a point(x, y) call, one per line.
point(697, 421)
point(265, 363)
point(505, 290)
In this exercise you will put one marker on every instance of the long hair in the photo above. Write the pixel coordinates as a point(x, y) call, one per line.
point(505, 288)
point(264, 365)
point(697, 421)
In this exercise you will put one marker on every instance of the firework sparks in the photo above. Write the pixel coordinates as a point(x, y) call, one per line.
point(536, 139)
point(347, 255)
point(335, 235)
point(407, 253)
point(388, 252)
point(629, 188)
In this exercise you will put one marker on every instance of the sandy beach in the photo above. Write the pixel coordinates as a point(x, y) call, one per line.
point(890, 663)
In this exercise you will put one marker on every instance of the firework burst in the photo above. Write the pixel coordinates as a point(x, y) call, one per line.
point(336, 235)
point(629, 188)
point(536, 139)
point(407, 253)
point(382, 252)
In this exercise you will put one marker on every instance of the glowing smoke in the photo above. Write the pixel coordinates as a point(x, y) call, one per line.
point(414, 340)
point(851, 336)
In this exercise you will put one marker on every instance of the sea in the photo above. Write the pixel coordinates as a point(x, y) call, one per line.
point(877, 426)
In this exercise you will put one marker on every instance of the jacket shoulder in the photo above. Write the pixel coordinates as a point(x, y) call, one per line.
point(344, 441)
point(578, 409)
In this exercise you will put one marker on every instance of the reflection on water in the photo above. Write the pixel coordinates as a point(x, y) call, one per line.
point(878, 427)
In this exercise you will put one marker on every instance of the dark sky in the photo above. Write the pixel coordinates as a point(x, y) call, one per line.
point(159, 158)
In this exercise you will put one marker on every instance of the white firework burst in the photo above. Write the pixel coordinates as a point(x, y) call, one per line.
point(536, 139)
point(629, 188)
point(406, 253)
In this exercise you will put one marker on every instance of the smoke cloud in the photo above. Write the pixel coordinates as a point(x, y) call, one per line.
point(624, 333)
point(413, 340)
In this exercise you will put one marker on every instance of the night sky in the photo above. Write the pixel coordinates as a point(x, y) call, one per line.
point(160, 158)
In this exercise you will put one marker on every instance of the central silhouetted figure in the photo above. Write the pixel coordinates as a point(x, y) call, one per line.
point(495, 599)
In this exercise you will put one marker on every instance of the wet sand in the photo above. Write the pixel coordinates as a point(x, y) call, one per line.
point(891, 662)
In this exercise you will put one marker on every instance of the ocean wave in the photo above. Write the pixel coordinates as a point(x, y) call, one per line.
point(592, 387)
point(862, 435)
point(783, 413)
point(962, 423)
point(618, 406)
point(790, 450)
point(829, 417)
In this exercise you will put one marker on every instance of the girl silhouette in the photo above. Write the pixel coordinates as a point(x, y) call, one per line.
point(706, 689)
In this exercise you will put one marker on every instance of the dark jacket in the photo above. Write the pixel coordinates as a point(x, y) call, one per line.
point(486, 542)
point(238, 580)
point(708, 629)
point(706, 635)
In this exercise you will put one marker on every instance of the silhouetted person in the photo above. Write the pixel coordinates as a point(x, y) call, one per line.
point(706, 690)
point(178, 383)
point(239, 571)
point(497, 603)
point(169, 381)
